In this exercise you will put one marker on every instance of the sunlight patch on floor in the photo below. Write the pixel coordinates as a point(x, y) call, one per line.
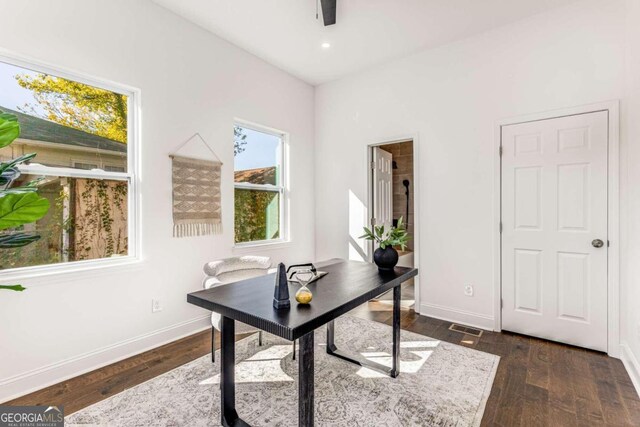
point(273, 352)
point(264, 366)
point(406, 366)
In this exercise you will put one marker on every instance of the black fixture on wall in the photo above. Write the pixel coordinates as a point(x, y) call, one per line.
point(406, 184)
point(328, 11)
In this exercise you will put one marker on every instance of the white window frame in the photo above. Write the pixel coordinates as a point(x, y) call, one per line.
point(282, 188)
point(131, 176)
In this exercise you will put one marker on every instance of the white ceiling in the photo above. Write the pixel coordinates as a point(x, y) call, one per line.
point(368, 32)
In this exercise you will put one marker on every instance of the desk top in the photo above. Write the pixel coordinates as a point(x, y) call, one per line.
point(347, 285)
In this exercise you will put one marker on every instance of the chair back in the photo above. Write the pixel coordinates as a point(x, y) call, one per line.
point(234, 269)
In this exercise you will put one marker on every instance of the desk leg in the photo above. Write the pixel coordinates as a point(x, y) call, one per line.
point(395, 367)
point(227, 372)
point(393, 372)
point(331, 337)
point(305, 381)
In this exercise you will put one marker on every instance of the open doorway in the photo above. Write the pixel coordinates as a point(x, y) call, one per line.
point(392, 197)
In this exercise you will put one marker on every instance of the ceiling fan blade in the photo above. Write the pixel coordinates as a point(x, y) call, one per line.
point(328, 11)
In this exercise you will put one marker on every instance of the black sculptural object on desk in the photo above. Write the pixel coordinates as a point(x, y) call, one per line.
point(281, 293)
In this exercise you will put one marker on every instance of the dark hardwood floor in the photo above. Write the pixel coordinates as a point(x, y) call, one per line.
point(538, 383)
point(94, 386)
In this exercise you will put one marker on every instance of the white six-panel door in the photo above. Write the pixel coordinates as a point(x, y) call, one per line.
point(554, 215)
point(383, 187)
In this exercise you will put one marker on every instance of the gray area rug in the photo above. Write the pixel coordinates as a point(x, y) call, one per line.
point(440, 384)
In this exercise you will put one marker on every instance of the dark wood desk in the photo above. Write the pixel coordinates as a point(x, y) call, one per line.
point(348, 285)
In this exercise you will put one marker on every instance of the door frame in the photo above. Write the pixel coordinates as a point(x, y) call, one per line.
point(416, 202)
point(613, 212)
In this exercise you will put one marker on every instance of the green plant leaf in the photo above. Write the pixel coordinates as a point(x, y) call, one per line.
point(16, 161)
point(19, 190)
point(368, 235)
point(16, 240)
point(8, 116)
point(9, 129)
point(8, 176)
point(18, 288)
point(19, 209)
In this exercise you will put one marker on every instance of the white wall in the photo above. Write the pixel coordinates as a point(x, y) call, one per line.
point(190, 81)
point(451, 98)
point(630, 292)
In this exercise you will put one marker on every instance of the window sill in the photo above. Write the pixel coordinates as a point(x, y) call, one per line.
point(70, 268)
point(266, 245)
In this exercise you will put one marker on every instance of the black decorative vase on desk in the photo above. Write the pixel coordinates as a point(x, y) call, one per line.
point(386, 258)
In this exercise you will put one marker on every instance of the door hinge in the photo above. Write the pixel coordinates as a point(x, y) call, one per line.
point(501, 303)
point(500, 151)
point(608, 243)
point(373, 165)
point(373, 222)
point(500, 227)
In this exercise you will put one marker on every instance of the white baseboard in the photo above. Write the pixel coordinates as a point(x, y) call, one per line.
point(631, 364)
point(28, 382)
point(458, 316)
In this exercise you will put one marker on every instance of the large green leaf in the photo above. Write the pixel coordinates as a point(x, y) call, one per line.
point(17, 240)
point(9, 129)
point(19, 209)
point(8, 116)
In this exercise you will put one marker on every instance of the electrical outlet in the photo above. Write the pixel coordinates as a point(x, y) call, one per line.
point(468, 290)
point(156, 305)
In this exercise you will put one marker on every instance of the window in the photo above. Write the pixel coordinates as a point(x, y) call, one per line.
point(81, 133)
point(85, 166)
point(112, 168)
point(259, 185)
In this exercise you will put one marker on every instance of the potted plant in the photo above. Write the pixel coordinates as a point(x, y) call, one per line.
point(386, 256)
point(18, 205)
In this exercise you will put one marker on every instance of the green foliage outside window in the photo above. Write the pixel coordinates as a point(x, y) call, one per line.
point(94, 226)
point(256, 215)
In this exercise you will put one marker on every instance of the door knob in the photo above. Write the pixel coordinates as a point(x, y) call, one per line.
point(597, 243)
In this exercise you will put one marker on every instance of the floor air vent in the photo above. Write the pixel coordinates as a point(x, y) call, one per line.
point(465, 330)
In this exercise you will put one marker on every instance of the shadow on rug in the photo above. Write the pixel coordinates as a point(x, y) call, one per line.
point(440, 384)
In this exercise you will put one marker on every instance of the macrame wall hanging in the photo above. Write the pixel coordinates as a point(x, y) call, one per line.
point(196, 193)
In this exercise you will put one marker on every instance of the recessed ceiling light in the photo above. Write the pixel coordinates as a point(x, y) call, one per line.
point(325, 45)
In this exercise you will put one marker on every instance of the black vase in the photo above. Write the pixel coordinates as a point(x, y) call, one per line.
point(386, 258)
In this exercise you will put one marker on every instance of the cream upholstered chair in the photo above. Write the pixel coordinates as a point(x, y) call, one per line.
point(227, 271)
